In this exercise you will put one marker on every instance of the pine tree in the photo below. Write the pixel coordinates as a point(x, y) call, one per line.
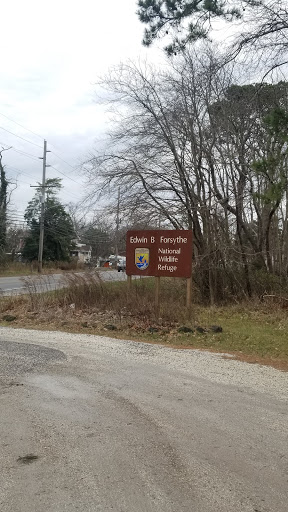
point(191, 18)
point(58, 226)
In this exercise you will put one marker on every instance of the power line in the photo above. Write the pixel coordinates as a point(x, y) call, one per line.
point(4, 144)
point(33, 157)
point(21, 181)
point(58, 230)
point(36, 158)
point(14, 169)
point(27, 129)
point(17, 220)
point(19, 225)
point(15, 215)
point(37, 145)
point(67, 163)
point(19, 137)
point(37, 135)
point(69, 178)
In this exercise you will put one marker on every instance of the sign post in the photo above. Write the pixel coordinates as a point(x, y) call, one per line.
point(129, 282)
point(160, 253)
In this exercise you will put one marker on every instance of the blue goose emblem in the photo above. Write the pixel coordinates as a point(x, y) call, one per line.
point(142, 258)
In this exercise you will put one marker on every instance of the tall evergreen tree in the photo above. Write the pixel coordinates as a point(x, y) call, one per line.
point(264, 24)
point(191, 18)
point(58, 226)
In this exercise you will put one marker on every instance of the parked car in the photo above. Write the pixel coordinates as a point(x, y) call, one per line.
point(121, 265)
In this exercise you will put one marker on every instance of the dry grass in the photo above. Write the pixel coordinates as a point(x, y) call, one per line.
point(256, 332)
point(23, 269)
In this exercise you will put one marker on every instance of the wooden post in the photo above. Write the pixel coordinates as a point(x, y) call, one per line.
point(129, 285)
point(157, 296)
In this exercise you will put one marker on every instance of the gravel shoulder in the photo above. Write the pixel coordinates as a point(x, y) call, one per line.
point(124, 426)
point(220, 368)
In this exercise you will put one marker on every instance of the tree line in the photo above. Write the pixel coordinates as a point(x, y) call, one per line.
point(64, 226)
point(196, 143)
point(196, 149)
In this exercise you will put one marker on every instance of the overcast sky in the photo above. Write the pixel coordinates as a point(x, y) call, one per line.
point(51, 55)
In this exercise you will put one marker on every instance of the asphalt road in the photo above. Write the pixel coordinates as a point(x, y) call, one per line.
point(21, 284)
point(11, 284)
point(131, 427)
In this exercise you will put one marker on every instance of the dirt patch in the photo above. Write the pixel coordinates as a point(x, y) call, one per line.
point(265, 361)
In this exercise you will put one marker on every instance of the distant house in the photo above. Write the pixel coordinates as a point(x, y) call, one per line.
point(82, 252)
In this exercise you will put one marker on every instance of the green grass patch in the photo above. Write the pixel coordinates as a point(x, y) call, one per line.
point(252, 329)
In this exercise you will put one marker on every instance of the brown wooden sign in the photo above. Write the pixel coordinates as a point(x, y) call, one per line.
point(159, 253)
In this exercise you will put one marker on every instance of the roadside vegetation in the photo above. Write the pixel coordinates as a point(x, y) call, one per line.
point(255, 330)
point(199, 143)
point(15, 268)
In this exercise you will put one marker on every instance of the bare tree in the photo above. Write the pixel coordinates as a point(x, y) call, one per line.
point(156, 153)
point(202, 153)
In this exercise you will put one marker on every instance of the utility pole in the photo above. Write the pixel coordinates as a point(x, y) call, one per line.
point(41, 237)
point(117, 228)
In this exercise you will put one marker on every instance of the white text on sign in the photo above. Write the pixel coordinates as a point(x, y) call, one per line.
point(163, 240)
